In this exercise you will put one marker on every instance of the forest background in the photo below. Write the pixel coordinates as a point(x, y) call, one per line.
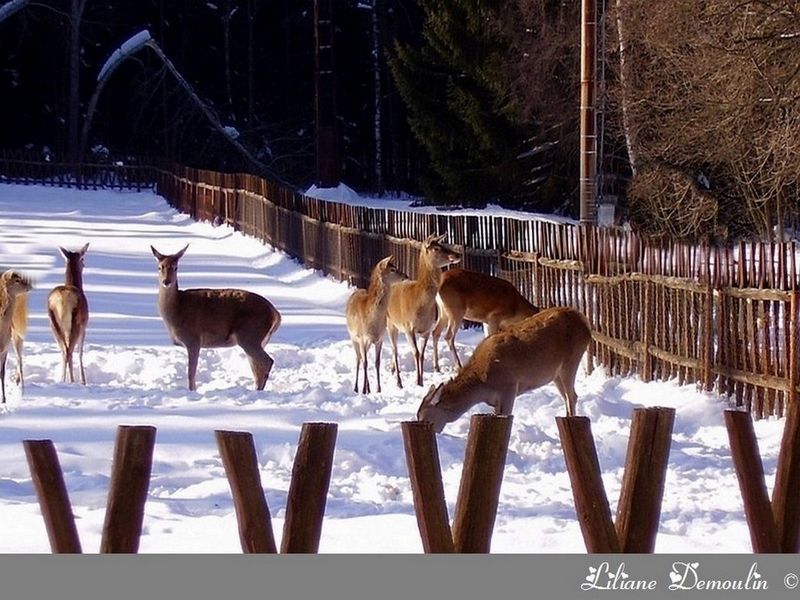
point(460, 102)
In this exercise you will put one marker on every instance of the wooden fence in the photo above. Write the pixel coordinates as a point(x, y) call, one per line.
point(774, 524)
point(724, 318)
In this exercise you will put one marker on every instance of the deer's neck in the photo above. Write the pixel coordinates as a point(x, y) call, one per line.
point(168, 298)
point(464, 392)
point(428, 277)
point(378, 294)
point(74, 277)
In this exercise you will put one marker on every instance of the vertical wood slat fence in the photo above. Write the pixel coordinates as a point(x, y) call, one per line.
point(724, 318)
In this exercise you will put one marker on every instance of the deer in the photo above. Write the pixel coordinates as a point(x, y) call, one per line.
point(478, 297)
point(13, 320)
point(545, 347)
point(68, 311)
point(366, 318)
point(215, 318)
point(412, 303)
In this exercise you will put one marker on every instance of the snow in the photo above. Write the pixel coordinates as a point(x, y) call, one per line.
point(9, 8)
point(131, 46)
point(137, 377)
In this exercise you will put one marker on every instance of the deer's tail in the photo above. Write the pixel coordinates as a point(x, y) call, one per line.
point(62, 312)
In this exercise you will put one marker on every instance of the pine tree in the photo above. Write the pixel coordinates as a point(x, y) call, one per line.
point(459, 103)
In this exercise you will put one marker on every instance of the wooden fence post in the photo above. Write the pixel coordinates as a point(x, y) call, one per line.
point(750, 473)
point(130, 480)
point(311, 476)
point(425, 473)
point(479, 490)
point(639, 506)
point(785, 501)
point(591, 502)
point(48, 481)
point(252, 513)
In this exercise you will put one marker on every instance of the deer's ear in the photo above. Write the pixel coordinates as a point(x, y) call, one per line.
point(435, 394)
point(384, 262)
point(179, 254)
point(157, 254)
point(84, 249)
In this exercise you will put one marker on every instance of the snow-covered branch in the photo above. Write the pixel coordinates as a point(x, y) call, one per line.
point(9, 8)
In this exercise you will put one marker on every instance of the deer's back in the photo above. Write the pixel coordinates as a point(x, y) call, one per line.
point(481, 297)
point(69, 298)
point(217, 316)
point(531, 351)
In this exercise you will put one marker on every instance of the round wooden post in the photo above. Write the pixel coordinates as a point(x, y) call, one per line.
point(425, 473)
point(479, 490)
point(48, 481)
point(238, 453)
point(639, 506)
point(750, 473)
point(591, 502)
point(785, 501)
point(127, 493)
point(308, 490)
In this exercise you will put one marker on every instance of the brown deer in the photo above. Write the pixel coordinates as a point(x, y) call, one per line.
point(366, 317)
point(412, 304)
point(477, 297)
point(215, 318)
point(13, 320)
point(524, 356)
point(68, 311)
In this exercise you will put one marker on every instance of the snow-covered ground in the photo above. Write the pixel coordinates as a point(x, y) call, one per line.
point(137, 377)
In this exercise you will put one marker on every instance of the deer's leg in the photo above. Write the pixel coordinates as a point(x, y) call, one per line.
point(364, 348)
point(505, 402)
point(565, 382)
point(441, 325)
point(357, 349)
point(81, 338)
point(411, 336)
point(193, 353)
point(421, 368)
point(59, 335)
point(395, 364)
point(378, 346)
point(260, 362)
point(3, 355)
point(450, 336)
point(18, 350)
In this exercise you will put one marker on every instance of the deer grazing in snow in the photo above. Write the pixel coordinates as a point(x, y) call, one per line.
point(366, 318)
point(13, 320)
point(215, 318)
point(477, 297)
point(412, 304)
point(524, 356)
point(68, 311)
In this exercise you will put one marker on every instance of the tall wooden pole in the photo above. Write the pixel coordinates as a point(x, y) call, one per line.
point(325, 96)
point(588, 150)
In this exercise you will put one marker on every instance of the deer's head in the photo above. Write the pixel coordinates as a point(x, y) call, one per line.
point(15, 283)
point(168, 267)
point(74, 258)
point(437, 254)
point(433, 411)
point(388, 271)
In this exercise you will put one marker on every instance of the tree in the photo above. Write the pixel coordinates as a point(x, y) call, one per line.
point(456, 88)
point(711, 97)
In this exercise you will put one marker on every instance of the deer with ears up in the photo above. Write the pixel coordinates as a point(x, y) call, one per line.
point(524, 356)
point(412, 304)
point(477, 297)
point(366, 317)
point(13, 320)
point(68, 311)
point(215, 318)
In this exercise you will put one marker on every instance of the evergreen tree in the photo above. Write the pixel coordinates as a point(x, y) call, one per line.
point(458, 94)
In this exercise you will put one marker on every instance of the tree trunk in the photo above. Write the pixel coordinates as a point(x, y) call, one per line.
point(624, 82)
point(376, 68)
point(74, 107)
